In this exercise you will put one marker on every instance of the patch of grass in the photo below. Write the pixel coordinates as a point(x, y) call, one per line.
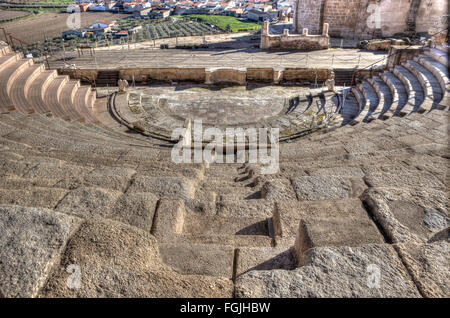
point(223, 22)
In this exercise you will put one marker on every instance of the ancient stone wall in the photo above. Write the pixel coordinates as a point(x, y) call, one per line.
point(288, 41)
point(226, 76)
point(309, 15)
point(266, 75)
point(367, 19)
point(238, 76)
point(399, 54)
point(342, 16)
point(302, 75)
point(429, 12)
point(393, 16)
point(164, 74)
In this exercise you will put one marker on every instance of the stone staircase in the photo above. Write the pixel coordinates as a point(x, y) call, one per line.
point(418, 85)
point(368, 190)
point(29, 88)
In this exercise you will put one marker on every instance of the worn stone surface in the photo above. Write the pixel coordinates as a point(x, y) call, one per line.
point(413, 179)
point(31, 242)
point(52, 170)
point(321, 188)
point(264, 258)
point(108, 178)
point(428, 265)
point(199, 259)
point(334, 272)
point(247, 208)
point(348, 196)
point(137, 209)
point(211, 225)
point(117, 260)
point(277, 190)
point(167, 186)
point(169, 219)
point(408, 215)
point(89, 202)
point(32, 197)
point(323, 223)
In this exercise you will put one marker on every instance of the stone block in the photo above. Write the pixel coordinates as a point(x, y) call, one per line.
point(164, 186)
point(89, 202)
point(323, 223)
point(31, 243)
point(199, 259)
point(137, 209)
point(169, 219)
point(264, 258)
point(334, 272)
point(428, 265)
point(311, 188)
point(118, 260)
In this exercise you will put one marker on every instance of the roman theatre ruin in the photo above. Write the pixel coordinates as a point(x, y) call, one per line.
point(87, 181)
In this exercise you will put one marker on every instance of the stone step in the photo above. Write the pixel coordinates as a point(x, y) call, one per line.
point(53, 127)
point(438, 55)
point(350, 108)
point(438, 70)
point(67, 101)
point(398, 91)
point(371, 96)
point(4, 49)
point(91, 101)
point(8, 75)
point(7, 59)
point(442, 47)
point(81, 101)
point(52, 96)
point(20, 86)
point(43, 138)
point(37, 89)
point(413, 89)
point(76, 149)
point(136, 139)
point(384, 95)
point(70, 128)
point(362, 103)
point(430, 85)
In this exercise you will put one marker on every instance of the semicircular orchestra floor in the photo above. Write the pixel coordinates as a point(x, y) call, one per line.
point(162, 108)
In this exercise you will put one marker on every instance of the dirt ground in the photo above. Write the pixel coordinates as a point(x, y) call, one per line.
point(52, 23)
point(10, 14)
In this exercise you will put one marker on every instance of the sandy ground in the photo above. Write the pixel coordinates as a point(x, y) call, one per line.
point(51, 24)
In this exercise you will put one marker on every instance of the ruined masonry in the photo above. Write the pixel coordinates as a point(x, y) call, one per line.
point(366, 193)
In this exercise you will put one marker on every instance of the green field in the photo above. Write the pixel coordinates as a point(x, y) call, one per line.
point(223, 21)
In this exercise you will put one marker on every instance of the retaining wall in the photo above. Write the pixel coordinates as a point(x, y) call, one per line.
point(239, 76)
